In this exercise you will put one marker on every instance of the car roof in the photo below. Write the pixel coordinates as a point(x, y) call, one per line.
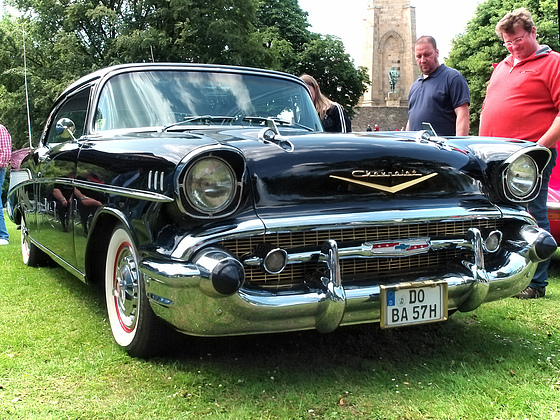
point(101, 73)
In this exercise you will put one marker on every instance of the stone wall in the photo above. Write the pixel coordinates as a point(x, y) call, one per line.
point(388, 118)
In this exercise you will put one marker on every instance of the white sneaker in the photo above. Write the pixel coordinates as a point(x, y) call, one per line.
point(4, 242)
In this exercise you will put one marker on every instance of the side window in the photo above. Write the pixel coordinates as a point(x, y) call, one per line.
point(74, 108)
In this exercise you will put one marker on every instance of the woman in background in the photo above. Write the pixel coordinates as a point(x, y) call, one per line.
point(332, 115)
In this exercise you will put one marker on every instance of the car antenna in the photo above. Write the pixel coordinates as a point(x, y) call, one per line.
point(26, 91)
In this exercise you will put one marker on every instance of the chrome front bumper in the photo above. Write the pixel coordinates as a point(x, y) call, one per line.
point(185, 294)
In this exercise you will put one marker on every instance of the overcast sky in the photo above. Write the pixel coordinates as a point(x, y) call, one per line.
point(443, 19)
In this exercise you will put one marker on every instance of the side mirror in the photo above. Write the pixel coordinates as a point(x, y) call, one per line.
point(66, 127)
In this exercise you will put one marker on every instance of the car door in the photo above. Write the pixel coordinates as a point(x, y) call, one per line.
point(58, 208)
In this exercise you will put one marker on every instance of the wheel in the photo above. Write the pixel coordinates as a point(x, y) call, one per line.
point(133, 323)
point(31, 255)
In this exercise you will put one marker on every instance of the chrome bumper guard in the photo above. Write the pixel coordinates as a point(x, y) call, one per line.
point(207, 297)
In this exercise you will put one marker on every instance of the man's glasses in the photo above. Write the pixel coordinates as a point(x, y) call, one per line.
point(515, 41)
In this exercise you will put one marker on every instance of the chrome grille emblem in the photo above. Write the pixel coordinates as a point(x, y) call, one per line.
point(398, 248)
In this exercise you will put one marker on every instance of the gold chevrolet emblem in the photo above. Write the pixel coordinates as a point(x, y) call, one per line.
point(392, 190)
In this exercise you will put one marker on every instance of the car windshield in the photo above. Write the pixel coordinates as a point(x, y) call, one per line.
point(177, 100)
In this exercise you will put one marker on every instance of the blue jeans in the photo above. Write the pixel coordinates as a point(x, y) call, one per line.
point(538, 210)
point(3, 230)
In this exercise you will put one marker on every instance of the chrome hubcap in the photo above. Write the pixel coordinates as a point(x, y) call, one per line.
point(126, 288)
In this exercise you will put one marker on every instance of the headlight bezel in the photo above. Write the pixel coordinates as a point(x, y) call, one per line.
point(232, 165)
point(521, 178)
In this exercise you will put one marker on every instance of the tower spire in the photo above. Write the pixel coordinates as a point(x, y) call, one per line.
point(389, 32)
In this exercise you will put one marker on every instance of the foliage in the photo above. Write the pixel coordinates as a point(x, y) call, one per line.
point(66, 39)
point(283, 30)
point(475, 51)
point(59, 361)
point(338, 78)
point(286, 19)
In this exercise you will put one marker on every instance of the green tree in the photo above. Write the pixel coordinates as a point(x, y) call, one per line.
point(325, 59)
point(49, 71)
point(285, 19)
point(66, 39)
point(474, 52)
point(221, 31)
point(282, 28)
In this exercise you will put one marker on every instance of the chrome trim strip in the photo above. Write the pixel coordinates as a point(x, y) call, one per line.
point(190, 244)
point(123, 191)
point(315, 222)
point(106, 189)
point(360, 252)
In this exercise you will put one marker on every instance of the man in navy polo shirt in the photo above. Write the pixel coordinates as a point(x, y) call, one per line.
point(440, 96)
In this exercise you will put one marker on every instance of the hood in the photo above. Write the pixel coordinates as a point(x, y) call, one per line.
point(358, 172)
point(325, 173)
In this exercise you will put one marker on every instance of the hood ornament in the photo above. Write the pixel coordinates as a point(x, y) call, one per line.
point(418, 178)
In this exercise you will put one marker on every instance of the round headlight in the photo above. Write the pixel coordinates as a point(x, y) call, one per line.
point(210, 185)
point(521, 177)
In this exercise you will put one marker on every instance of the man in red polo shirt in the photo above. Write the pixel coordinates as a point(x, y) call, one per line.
point(523, 102)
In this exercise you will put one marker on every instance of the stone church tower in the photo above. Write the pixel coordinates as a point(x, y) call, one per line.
point(389, 33)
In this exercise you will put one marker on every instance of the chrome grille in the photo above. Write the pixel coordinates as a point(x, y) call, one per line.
point(354, 269)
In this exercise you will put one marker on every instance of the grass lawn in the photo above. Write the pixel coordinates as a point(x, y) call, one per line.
point(58, 361)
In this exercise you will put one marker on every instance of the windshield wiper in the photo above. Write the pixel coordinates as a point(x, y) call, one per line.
point(197, 118)
point(274, 120)
point(270, 121)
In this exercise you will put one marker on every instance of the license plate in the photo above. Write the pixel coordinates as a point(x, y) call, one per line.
point(413, 304)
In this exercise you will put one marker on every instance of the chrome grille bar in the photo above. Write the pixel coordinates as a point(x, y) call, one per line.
point(353, 268)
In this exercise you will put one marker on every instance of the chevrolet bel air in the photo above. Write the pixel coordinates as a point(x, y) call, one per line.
point(208, 200)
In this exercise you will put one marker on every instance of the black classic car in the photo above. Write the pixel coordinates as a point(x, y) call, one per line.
point(208, 199)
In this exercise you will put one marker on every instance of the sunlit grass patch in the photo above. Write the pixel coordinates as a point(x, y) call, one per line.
point(58, 361)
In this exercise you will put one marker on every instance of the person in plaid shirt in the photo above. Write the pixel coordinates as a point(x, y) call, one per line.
point(5, 155)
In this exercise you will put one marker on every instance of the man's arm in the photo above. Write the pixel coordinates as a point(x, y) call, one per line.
point(551, 137)
point(463, 120)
